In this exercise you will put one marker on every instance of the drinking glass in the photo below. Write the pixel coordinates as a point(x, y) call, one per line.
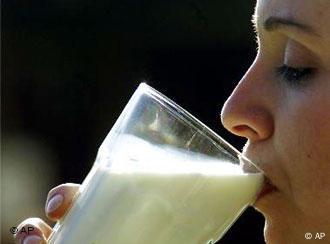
point(160, 176)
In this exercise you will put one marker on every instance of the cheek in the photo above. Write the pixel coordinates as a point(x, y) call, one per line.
point(302, 137)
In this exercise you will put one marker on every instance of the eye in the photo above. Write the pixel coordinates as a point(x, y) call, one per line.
point(294, 76)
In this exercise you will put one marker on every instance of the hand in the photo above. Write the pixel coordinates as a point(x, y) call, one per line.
point(58, 201)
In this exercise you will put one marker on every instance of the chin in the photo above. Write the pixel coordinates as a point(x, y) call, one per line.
point(267, 203)
point(275, 210)
point(273, 235)
point(273, 206)
point(272, 232)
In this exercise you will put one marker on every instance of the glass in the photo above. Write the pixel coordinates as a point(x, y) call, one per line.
point(160, 176)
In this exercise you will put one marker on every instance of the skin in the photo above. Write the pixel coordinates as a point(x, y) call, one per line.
point(287, 124)
point(285, 121)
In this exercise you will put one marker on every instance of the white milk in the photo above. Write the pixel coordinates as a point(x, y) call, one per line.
point(158, 195)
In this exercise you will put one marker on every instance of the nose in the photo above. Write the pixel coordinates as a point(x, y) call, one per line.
point(247, 112)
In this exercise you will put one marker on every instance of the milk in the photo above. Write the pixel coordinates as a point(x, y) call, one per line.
point(156, 194)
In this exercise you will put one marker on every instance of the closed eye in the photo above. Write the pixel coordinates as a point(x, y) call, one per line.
point(294, 76)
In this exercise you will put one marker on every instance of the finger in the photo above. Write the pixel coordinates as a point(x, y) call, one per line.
point(32, 229)
point(33, 239)
point(60, 199)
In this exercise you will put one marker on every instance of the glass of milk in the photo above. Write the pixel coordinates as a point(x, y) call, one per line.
point(160, 177)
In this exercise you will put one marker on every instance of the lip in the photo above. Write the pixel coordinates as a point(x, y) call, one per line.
point(267, 189)
point(254, 153)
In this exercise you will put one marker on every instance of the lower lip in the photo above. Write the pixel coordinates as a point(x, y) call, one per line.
point(266, 190)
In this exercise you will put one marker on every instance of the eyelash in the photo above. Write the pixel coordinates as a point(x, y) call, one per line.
point(294, 76)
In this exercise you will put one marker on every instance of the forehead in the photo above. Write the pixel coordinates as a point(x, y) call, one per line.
point(315, 13)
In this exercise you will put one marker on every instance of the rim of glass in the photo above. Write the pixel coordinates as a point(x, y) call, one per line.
point(193, 121)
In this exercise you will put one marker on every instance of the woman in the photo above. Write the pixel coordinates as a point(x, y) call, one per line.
point(282, 107)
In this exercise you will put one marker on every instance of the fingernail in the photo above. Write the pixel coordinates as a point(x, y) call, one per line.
point(32, 240)
point(54, 203)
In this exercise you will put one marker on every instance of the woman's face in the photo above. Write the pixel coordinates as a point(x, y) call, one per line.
point(282, 106)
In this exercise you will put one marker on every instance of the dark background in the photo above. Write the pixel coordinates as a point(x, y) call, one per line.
point(70, 66)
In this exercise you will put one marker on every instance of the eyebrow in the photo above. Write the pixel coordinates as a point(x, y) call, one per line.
point(273, 23)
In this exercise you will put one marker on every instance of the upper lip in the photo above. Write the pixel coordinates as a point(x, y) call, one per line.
point(269, 182)
point(267, 188)
point(264, 167)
